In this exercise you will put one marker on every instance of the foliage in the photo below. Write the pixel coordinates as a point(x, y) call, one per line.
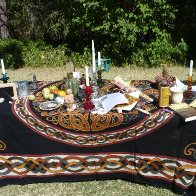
point(38, 54)
point(159, 52)
point(11, 53)
point(81, 60)
point(186, 25)
point(16, 54)
point(25, 18)
point(134, 32)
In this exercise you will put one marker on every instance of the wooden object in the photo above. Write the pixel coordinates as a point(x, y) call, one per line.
point(8, 90)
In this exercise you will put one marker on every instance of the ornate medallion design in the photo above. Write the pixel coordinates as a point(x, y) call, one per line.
point(87, 129)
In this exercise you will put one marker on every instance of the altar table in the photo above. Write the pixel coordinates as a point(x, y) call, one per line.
point(54, 146)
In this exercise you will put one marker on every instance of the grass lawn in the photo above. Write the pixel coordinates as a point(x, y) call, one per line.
point(106, 188)
point(127, 73)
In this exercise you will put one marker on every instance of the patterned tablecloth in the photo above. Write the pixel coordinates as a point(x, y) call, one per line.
point(48, 146)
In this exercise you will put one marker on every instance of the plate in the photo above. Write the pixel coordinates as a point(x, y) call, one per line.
point(49, 105)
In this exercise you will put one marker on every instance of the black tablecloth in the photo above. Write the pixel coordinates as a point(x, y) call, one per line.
point(48, 146)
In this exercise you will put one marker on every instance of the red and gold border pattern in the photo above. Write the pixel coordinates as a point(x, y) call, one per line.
point(149, 166)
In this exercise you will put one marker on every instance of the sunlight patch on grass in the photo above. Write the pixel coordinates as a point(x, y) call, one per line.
point(95, 188)
point(52, 74)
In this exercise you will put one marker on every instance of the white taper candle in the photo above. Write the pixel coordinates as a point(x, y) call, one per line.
point(87, 76)
point(93, 57)
point(99, 60)
point(2, 66)
point(191, 68)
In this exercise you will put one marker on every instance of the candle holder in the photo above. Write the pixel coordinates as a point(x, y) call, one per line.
point(99, 81)
point(94, 80)
point(88, 105)
point(4, 78)
point(189, 93)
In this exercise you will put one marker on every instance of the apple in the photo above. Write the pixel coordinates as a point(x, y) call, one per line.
point(31, 97)
point(46, 90)
point(46, 95)
point(51, 97)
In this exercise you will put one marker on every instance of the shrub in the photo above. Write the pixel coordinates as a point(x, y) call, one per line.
point(11, 51)
point(159, 52)
point(39, 54)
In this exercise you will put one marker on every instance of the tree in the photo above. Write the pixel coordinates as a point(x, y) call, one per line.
point(136, 32)
point(186, 25)
point(4, 32)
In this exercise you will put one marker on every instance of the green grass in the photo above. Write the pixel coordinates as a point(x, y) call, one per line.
point(97, 188)
point(93, 188)
point(128, 73)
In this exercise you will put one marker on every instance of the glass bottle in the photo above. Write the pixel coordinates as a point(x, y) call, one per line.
point(63, 86)
point(164, 88)
point(72, 83)
point(82, 80)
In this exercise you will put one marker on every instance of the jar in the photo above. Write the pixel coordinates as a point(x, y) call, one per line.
point(164, 89)
point(72, 83)
point(176, 95)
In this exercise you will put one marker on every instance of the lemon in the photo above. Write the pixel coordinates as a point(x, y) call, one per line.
point(61, 93)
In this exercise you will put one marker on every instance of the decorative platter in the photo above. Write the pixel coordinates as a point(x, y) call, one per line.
point(49, 105)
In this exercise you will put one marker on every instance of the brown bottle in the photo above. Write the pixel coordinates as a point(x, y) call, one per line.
point(163, 100)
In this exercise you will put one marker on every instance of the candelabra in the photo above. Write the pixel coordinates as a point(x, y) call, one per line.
point(4, 78)
point(88, 105)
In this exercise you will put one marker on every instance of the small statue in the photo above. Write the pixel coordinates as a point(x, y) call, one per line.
point(34, 84)
point(165, 76)
point(69, 100)
point(165, 72)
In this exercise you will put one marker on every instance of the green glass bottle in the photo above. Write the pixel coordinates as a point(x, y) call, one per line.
point(63, 86)
point(72, 83)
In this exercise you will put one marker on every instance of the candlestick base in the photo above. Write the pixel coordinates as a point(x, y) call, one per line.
point(100, 81)
point(188, 94)
point(94, 80)
point(4, 78)
point(88, 105)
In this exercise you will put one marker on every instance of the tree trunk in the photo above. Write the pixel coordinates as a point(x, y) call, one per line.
point(4, 32)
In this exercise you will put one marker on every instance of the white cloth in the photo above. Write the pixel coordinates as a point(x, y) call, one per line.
point(183, 86)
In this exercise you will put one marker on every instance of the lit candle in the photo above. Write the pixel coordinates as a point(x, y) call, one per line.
point(191, 68)
point(93, 57)
point(99, 60)
point(2, 66)
point(87, 76)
